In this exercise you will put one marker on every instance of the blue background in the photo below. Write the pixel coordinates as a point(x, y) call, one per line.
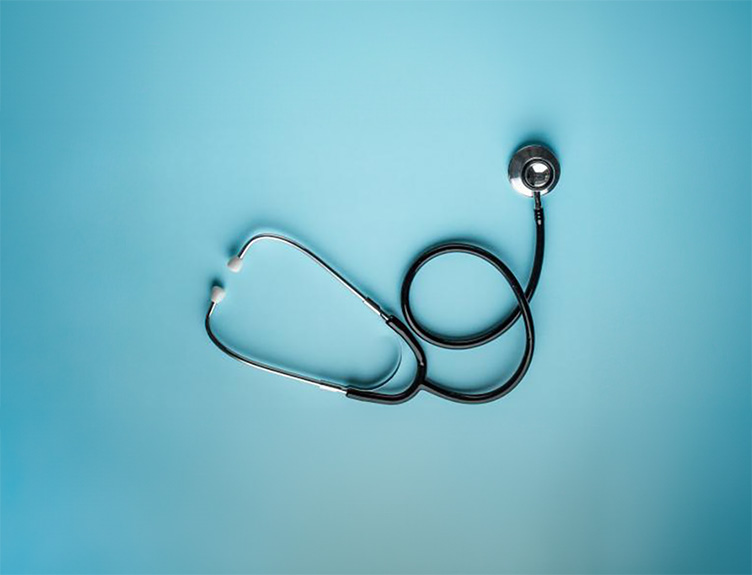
point(143, 141)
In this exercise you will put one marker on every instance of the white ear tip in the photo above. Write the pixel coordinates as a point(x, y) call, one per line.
point(217, 294)
point(235, 264)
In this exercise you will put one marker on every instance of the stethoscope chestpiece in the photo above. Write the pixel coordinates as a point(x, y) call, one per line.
point(534, 169)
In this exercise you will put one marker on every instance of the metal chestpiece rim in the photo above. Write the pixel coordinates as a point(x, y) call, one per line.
point(531, 162)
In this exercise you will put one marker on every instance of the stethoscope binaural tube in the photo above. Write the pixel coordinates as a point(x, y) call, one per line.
point(236, 265)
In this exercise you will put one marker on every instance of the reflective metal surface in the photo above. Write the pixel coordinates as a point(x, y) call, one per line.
point(534, 169)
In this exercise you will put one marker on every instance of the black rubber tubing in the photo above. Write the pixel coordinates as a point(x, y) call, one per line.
point(523, 297)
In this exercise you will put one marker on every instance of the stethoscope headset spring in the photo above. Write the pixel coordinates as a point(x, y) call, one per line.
point(533, 172)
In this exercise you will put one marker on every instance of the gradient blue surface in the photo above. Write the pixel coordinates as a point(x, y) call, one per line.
point(142, 141)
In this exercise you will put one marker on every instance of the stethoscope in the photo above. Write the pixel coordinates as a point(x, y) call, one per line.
point(534, 172)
